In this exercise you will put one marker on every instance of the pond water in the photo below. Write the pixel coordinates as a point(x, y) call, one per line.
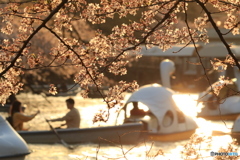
point(52, 107)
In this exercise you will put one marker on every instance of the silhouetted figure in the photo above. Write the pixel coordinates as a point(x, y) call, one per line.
point(72, 118)
point(11, 99)
point(18, 118)
point(136, 111)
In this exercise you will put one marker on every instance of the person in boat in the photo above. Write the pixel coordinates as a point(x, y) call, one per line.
point(18, 117)
point(10, 109)
point(136, 114)
point(136, 111)
point(11, 99)
point(72, 118)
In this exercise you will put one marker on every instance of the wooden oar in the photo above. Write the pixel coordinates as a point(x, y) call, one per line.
point(59, 127)
point(56, 133)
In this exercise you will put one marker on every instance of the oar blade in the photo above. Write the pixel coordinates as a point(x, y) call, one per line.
point(66, 145)
point(56, 133)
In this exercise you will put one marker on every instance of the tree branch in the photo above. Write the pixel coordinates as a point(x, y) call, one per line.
point(220, 35)
point(166, 16)
point(32, 35)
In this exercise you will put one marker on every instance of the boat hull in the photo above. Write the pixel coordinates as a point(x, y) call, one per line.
point(172, 137)
point(229, 117)
point(129, 133)
point(14, 157)
point(124, 134)
point(4, 108)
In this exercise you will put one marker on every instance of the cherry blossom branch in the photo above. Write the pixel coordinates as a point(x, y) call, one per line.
point(229, 3)
point(235, 26)
point(196, 49)
point(220, 35)
point(75, 31)
point(32, 35)
point(166, 16)
point(81, 60)
point(48, 66)
point(20, 16)
point(108, 101)
point(22, 2)
point(138, 7)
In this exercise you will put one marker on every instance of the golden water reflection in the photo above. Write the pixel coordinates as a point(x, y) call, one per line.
point(188, 104)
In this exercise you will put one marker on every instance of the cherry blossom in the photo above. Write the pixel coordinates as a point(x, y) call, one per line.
point(162, 23)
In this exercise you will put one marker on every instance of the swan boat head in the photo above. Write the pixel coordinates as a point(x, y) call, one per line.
point(167, 68)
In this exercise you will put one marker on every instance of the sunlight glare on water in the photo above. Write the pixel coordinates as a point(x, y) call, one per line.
point(187, 103)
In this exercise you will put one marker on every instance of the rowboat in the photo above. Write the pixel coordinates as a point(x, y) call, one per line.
point(12, 146)
point(120, 134)
point(5, 108)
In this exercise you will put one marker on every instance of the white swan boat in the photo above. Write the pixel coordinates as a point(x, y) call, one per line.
point(228, 108)
point(12, 146)
point(164, 120)
point(235, 133)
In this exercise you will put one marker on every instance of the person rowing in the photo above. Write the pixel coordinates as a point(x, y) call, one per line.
point(72, 118)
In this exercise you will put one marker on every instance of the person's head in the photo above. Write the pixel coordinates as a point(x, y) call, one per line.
point(70, 103)
point(16, 107)
point(135, 105)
